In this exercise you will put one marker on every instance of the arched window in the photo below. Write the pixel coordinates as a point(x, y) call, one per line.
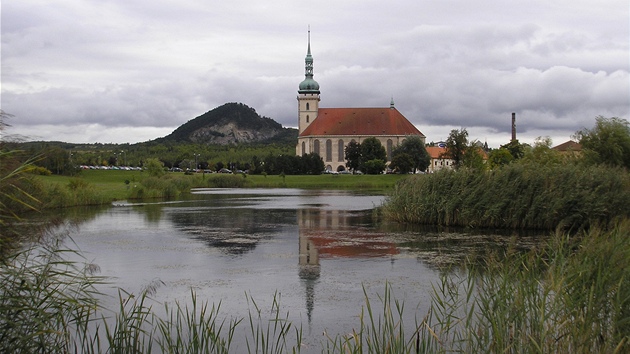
point(316, 147)
point(303, 148)
point(328, 150)
point(307, 118)
point(340, 151)
point(307, 106)
point(390, 145)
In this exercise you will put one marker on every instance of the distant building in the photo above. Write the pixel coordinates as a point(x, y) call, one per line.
point(438, 159)
point(569, 148)
point(327, 131)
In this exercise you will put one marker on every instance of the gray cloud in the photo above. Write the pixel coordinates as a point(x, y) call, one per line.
point(124, 64)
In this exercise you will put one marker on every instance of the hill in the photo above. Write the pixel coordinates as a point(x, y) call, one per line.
point(231, 123)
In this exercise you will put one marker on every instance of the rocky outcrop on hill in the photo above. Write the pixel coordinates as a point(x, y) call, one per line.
point(231, 123)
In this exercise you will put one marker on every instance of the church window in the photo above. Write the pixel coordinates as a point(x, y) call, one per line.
point(390, 145)
point(340, 151)
point(316, 147)
point(328, 150)
point(303, 148)
point(307, 106)
point(307, 118)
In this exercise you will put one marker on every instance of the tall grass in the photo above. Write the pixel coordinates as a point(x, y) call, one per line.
point(572, 297)
point(226, 181)
point(167, 186)
point(41, 296)
point(516, 196)
point(378, 331)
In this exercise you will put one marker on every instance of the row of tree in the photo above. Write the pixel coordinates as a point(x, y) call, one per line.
point(607, 143)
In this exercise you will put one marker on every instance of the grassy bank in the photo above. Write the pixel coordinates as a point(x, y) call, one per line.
point(516, 196)
point(571, 296)
point(119, 184)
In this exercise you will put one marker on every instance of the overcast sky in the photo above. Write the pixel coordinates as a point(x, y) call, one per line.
point(130, 71)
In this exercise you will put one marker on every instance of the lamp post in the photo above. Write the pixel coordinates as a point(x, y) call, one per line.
point(125, 157)
point(196, 165)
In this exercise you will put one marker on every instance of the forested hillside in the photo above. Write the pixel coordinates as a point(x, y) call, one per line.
point(231, 135)
point(230, 123)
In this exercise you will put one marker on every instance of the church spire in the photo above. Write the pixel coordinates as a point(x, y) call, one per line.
point(308, 85)
point(308, 53)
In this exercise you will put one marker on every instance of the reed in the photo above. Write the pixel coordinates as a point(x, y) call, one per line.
point(572, 297)
point(378, 331)
point(226, 181)
point(272, 337)
point(42, 295)
point(516, 196)
point(194, 329)
point(167, 187)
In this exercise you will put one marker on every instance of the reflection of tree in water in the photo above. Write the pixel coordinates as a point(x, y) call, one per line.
point(151, 211)
point(442, 248)
point(232, 230)
point(46, 226)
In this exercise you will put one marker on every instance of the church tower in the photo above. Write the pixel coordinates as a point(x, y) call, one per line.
point(308, 93)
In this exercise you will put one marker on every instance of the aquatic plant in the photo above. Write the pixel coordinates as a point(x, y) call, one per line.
point(571, 297)
point(166, 186)
point(516, 196)
point(226, 181)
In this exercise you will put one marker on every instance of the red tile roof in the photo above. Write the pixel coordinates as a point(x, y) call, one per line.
point(435, 152)
point(569, 146)
point(360, 121)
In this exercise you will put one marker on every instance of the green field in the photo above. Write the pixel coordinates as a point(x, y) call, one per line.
point(112, 183)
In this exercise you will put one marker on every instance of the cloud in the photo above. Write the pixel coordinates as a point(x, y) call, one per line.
point(125, 66)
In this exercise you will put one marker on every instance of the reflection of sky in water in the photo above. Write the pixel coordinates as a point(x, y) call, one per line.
point(296, 198)
point(316, 250)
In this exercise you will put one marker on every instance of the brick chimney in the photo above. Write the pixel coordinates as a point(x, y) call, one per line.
point(513, 126)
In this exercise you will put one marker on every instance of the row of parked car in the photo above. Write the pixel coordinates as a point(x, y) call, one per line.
point(126, 168)
point(344, 172)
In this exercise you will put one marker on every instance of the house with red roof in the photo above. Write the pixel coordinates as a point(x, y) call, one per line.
point(439, 159)
point(327, 131)
point(569, 148)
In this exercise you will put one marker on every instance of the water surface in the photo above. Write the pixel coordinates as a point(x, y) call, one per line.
point(314, 251)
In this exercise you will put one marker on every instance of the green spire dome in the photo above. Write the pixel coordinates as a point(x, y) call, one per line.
point(309, 85)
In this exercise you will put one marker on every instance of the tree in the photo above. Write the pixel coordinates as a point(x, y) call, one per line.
point(374, 167)
point(456, 145)
point(352, 155)
point(499, 157)
point(542, 153)
point(154, 167)
point(415, 149)
point(402, 162)
point(607, 143)
point(313, 164)
point(473, 157)
point(372, 149)
point(516, 149)
point(57, 160)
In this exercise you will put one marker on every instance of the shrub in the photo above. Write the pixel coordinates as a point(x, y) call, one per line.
point(226, 181)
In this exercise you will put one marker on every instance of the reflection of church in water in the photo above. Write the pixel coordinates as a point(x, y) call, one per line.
point(329, 234)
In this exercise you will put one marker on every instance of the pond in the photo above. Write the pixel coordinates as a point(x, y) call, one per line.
point(317, 252)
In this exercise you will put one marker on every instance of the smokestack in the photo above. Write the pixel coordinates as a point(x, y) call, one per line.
point(513, 126)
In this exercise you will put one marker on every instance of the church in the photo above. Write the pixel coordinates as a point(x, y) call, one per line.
point(327, 131)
